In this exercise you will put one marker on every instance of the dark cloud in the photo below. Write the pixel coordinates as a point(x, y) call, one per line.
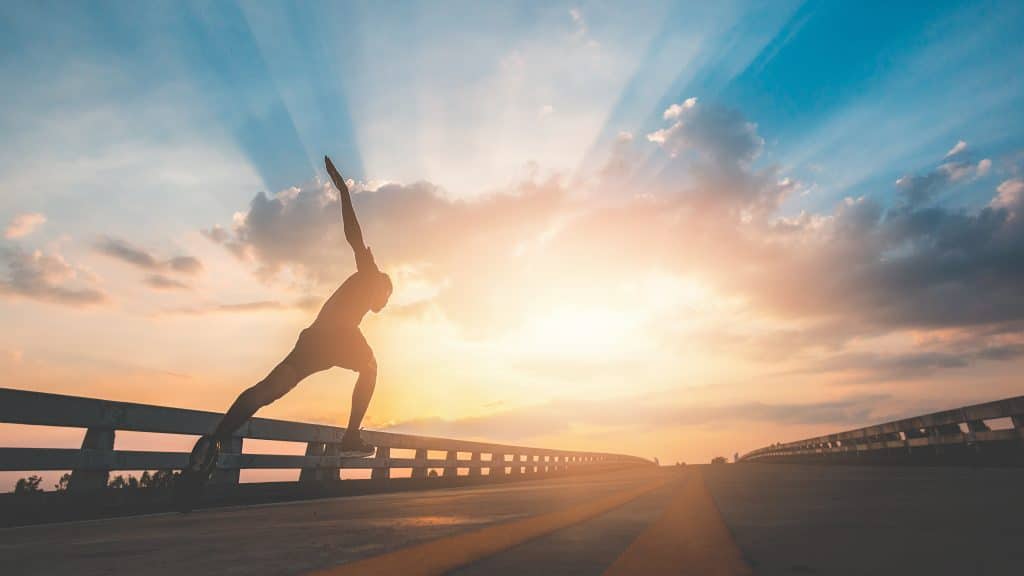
point(125, 252)
point(161, 282)
point(135, 256)
point(48, 278)
point(185, 265)
point(921, 189)
point(715, 148)
point(880, 367)
point(718, 134)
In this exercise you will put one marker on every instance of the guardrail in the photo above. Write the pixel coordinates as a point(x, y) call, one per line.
point(91, 464)
point(968, 435)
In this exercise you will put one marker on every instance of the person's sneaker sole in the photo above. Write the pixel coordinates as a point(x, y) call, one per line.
point(189, 487)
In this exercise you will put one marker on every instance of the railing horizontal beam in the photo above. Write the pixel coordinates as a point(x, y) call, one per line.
point(320, 463)
point(961, 426)
point(44, 409)
point(15, 459)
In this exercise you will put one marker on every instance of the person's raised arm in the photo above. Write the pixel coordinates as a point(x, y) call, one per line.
point(364, 258)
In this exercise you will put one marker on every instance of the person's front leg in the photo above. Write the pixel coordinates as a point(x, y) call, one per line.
point(361, 395)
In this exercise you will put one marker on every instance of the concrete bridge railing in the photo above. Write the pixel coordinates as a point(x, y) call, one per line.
point(989, 433)
point(102, 419)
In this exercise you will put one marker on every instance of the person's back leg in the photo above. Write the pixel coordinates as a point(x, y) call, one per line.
point(203, 458)
point(281, 379)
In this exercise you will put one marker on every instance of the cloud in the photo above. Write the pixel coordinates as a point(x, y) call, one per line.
point(881, 367)
point(714, 148)
point(125, 252)
point(161, 282)
point(579, 28)
point(645, 413)
point(464, 246)
point(909, 265)
point(1009, 196)
point(24, 224)
point(47, 278)
point(921, 189)
point(713, 132)
point(710, 213)
point(305, 304)
point(959, 147)
point(984, 166)
point(185, 265)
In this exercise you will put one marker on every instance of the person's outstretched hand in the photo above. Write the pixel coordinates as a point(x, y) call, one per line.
point(335, 175)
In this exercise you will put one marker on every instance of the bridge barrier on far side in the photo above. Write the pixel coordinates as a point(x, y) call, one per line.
point(988, 434)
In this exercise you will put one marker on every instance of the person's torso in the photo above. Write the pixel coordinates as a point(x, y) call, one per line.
point(347, 306)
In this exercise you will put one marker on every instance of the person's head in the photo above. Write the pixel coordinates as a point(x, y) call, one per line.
point(381, 292)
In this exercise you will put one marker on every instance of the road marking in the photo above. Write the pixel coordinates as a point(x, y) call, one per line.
point(689, 538)
point(442, 555)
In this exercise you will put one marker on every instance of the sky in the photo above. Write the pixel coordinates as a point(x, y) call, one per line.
point(674, 230)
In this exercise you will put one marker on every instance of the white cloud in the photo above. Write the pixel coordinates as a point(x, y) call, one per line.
point(24, 224)
point(984, 166)
point(675, 110)
point(1009, 194)
point(957, 148)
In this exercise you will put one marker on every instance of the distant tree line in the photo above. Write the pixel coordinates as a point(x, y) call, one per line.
point(158, 479)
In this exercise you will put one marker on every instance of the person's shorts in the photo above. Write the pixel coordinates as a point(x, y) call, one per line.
point(319, 349)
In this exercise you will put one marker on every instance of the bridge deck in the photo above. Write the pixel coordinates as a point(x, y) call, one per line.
point(779, 519)
point(816, 519)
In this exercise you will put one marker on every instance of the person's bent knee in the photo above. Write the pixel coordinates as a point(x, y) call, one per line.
point(369, 368)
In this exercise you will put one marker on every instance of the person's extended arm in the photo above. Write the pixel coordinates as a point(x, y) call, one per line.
point(364, 258)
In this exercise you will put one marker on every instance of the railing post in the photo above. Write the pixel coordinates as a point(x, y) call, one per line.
point(475, 461)
point(451, 463)
point(419, 468)
point(331, 474)
point(383, 455)
point(228, 475)
point(516, 465)
point(311, 474)
point(1018, 424)
point(99, 439)
point(497, 464)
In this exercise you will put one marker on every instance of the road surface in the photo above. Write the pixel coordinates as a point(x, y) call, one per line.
point(727, 519)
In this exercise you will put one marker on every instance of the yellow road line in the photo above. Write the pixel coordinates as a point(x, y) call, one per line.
point(689, 538)
point(442, 555)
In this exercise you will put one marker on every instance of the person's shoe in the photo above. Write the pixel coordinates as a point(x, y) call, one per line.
point(201, 463)
point(352, 446)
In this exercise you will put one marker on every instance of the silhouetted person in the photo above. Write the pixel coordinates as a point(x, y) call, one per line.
point(333, 339)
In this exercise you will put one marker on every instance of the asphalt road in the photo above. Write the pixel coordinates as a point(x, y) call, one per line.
point(729, 519)
point(846, 520)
